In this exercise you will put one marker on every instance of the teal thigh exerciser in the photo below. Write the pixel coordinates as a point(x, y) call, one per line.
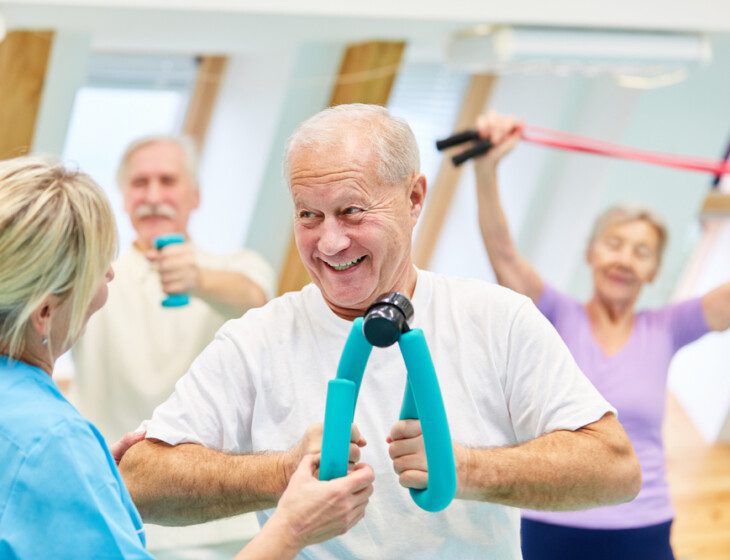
point(386, 322)
point(172, 300)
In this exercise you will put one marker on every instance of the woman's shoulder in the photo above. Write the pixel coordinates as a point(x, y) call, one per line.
point(34, 417)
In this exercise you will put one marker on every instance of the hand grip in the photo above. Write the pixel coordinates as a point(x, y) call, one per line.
point(172, 300)
point(478, 149)
point(456, 139)
point(423, 397)
point(342, 395)
point(354, 356)
point(338, 414)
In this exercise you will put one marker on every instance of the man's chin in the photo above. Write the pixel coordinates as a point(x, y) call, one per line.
point(351, 301)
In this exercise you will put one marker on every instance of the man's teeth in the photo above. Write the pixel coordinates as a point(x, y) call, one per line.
point(345, 266)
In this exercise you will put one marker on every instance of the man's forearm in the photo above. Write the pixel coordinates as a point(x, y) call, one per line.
point(188, 483)
point(563, 470)
point(232, 291)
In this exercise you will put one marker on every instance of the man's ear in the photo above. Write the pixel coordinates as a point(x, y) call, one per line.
point(417, 196)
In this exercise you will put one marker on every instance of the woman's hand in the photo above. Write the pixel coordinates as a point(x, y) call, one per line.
point(119, 448)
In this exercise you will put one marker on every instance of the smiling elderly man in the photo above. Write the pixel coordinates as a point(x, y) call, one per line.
point(134, 350)
point(531, 431)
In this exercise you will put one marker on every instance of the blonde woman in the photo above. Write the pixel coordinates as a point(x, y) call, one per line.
point(61, 495)
point(625, 352)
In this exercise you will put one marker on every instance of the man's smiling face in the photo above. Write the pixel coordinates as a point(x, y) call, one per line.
point(352, 230)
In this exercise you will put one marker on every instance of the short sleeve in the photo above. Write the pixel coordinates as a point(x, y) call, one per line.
point(686, 321)
point(212, 403)
point(545, 388)
point(66, 502)
point(254, 267)
point(550, 302)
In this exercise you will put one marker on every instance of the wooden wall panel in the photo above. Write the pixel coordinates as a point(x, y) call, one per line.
point(443, 189)
point(366, 75)
point(202, 101)
point(699, 480)
point(23, 63)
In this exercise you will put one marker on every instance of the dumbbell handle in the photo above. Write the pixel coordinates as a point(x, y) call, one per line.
point(172, 300)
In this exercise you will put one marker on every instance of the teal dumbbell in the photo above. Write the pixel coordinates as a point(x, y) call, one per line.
point(172, 300)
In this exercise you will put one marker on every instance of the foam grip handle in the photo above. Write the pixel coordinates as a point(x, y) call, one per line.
point(456, 139)
point(478, 149)
point(423, 397)
point(172, 300)
point(354, 356)
point(338, 414)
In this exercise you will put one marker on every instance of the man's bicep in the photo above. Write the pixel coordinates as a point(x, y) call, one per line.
point(255, 268)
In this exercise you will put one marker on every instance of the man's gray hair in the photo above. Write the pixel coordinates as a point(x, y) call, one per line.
point(392, 139)
point(624, 213)
point(185, 143)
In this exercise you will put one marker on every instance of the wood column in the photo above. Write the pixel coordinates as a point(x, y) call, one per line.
point(23, 63)
point(202, 101)
point(442, 191)
point(366, 75)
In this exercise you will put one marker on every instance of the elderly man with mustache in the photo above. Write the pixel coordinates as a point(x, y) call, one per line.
point(134, 350)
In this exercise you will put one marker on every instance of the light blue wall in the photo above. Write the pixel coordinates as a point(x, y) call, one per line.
point(310, 86)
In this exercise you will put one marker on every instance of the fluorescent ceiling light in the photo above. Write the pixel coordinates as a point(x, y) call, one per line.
point(635, 58)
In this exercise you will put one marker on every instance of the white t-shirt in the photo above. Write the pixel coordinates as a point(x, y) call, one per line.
point(505, 375)
point(134, 350)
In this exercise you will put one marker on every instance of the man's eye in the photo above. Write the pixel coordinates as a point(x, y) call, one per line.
point(352, 210)
point(306, 214)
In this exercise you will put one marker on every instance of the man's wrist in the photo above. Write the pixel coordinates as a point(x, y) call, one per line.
point(200, 282)
point(285, 467)
point(462, 457)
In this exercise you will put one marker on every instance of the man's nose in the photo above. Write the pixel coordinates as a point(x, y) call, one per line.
point(153, 193)
point(333, 238)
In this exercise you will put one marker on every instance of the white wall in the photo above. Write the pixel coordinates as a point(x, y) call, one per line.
point(237, 146)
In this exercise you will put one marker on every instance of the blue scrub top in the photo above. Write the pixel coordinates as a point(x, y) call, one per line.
point(61, 495)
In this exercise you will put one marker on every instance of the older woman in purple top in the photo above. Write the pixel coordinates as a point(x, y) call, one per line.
point(625, 354)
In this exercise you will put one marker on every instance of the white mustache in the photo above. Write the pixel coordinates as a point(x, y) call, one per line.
point(149, 210)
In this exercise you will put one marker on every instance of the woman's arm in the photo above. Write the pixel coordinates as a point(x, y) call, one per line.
point(716, 308)
point(510, 268)
point(311, 511)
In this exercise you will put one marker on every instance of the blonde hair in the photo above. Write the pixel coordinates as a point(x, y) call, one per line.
point(185, 143)
point(392, 139)
point(57, 236)
point(624, 213)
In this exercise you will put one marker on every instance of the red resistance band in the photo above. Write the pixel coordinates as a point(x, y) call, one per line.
point(575, 143)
